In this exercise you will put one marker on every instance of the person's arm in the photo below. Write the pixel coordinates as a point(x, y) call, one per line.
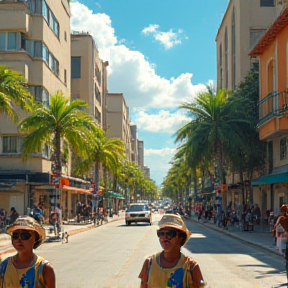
point(196, 274)
point(49, 276)
point(144, 274)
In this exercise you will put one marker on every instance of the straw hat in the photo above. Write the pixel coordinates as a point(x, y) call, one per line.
point(176, 222)
point(28, 223)
point(283, 208)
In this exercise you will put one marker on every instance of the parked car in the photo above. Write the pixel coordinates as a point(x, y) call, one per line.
point(137, 212)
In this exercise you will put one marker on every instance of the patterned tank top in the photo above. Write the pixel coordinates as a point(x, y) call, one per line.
point(179, 276)
point(30, 277)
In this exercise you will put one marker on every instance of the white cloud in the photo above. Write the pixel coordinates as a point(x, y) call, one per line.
point(150, 29)
point(164, 121)
point(141, 86)
point(159, 162)
point(167, 39)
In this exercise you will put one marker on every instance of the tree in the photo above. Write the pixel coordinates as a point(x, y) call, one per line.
point(213, 126)
point(251, 155)
point(101, 150)
point(61, 121)
point(13, 91)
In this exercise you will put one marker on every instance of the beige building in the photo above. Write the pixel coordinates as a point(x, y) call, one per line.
point(118, 122)
point(86, 74)
point(34, 40)
point(134, 145)
point(244, 22)
point(140, 144)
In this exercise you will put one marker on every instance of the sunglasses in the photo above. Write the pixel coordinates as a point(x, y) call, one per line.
point(23, 235)
point(168, 233)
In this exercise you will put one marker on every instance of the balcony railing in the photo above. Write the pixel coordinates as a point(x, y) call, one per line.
point(275, 104)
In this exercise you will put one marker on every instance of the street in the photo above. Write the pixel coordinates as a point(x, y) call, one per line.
point(112, 256)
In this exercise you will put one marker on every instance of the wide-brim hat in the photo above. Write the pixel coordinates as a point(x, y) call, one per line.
point(176, 222)
point(30, 224)
point(283, 208)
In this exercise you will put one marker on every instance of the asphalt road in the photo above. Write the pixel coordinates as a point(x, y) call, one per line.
point(112, 256)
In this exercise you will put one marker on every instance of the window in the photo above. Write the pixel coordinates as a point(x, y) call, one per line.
point(10, 41)
point(255, 35)
point(76, 67)
point(50, 18)
point(97, 94)
point(267, 3)
point(40, 94)
point(10, 144)
point(45, 12)
point(34, 6)
point(283, 148)
point(65, 76)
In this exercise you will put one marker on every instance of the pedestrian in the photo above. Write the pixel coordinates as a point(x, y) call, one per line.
point(66, 236)
point(26, 269)
point(171, 268)
point(281, 227)
point(13, 215)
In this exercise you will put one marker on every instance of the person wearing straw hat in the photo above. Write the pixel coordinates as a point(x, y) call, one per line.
point(26, 269)
point(171, 268)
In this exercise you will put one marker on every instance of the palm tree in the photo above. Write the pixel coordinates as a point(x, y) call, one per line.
point(213, 126)
point(101, 150)
point(13, 90)
point(61, 121)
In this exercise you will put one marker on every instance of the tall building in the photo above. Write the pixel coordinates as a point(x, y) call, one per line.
point(242, 25)
point(146, 172)
point(134, 146)
point(271, 189)
point(86, 73)
point(140, 144)
point(34, 40)
point(118, 122)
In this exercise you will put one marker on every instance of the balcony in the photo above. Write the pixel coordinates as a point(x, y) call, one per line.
point(273, 112)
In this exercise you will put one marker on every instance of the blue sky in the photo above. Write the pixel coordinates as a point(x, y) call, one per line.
point(161, 53)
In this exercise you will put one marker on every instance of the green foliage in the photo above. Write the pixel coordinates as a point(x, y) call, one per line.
point(13, 90)
point(62, 120)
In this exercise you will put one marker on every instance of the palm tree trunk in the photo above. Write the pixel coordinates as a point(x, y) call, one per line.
point(57, 152)
point(96, 176)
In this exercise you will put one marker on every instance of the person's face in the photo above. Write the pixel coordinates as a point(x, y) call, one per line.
point(23, 240)
point(169, 239)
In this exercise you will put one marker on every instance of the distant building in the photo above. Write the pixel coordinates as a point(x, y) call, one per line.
point(118, 122)
point(146, 172)
point(140, 154)
point(134, 146)
point(86, 73)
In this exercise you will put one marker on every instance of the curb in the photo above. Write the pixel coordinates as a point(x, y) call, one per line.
point(235, 236)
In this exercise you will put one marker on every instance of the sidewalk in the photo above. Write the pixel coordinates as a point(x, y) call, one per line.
point(260, 237)
point(72, 229)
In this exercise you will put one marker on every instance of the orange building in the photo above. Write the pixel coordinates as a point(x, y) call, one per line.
point(272, 51)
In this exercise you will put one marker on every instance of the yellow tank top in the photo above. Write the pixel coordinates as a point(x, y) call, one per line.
point(169, 277)
point(23, 278)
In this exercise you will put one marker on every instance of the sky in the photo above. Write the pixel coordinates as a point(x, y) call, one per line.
point(161, 54)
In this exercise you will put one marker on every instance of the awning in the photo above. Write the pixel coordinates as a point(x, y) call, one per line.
point(7, 184)
point(271, 179)
point(115, 195)
point(69, 188)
